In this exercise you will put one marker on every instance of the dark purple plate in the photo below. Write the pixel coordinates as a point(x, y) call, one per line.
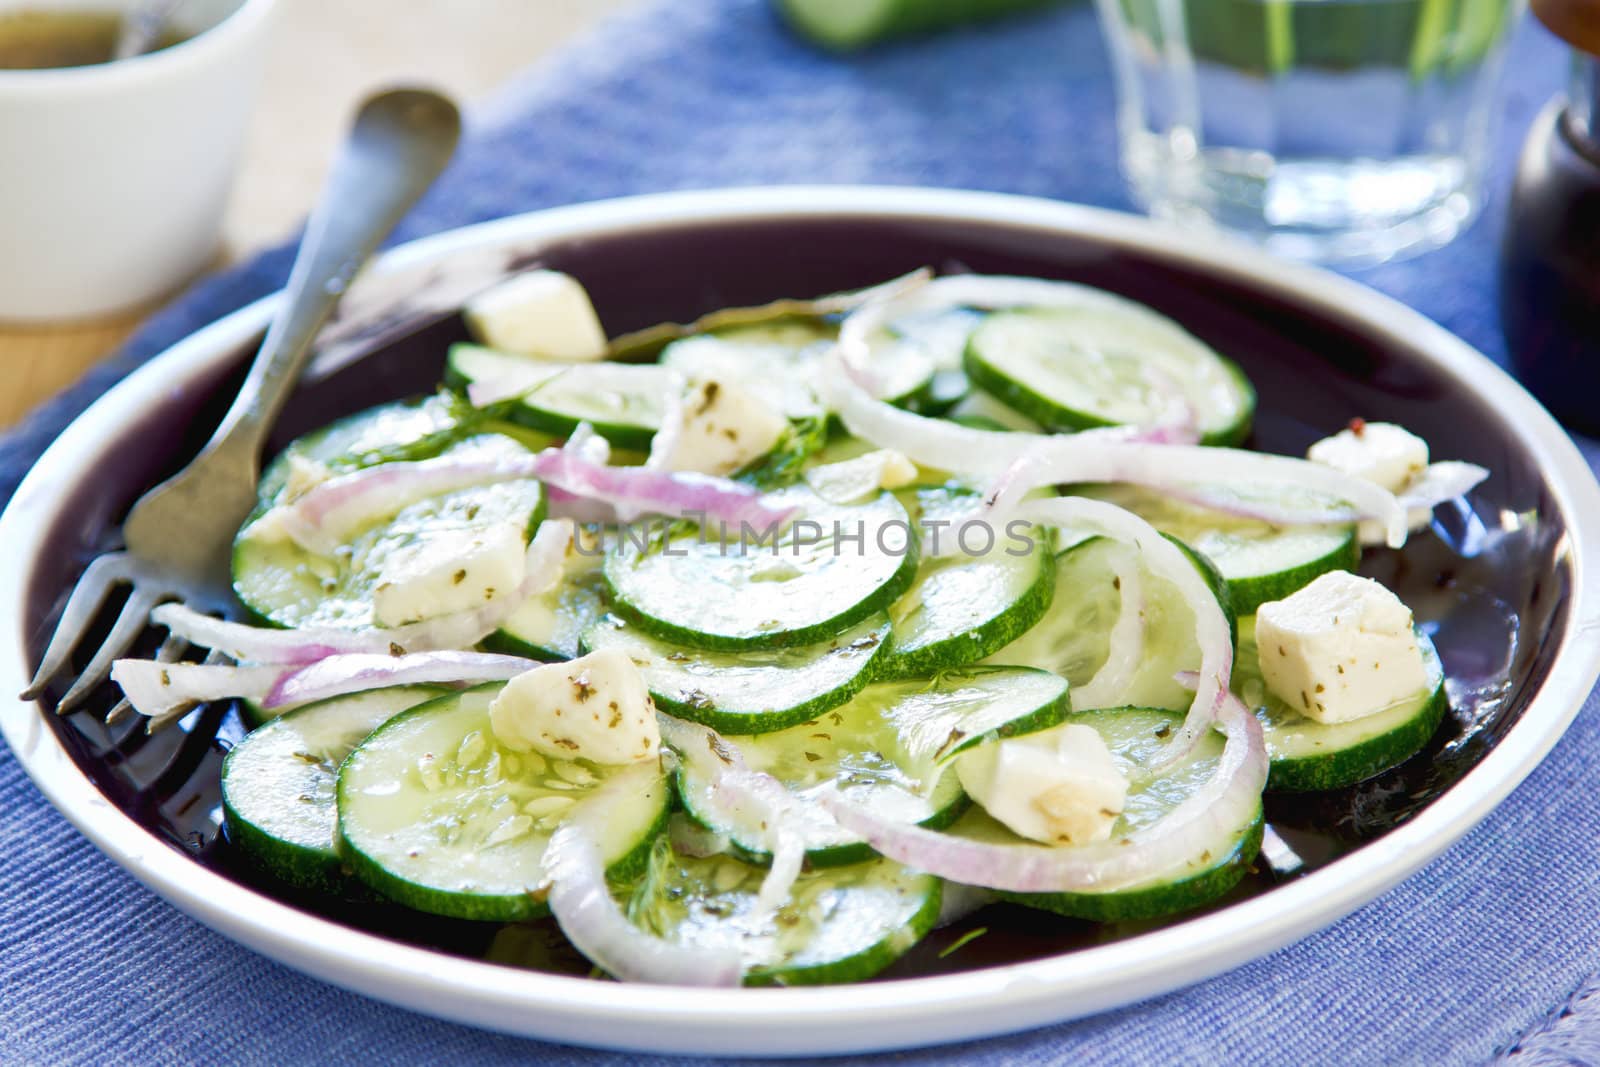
point(1495, 581)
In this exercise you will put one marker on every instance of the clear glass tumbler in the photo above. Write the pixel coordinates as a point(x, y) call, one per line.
point(1331, 130)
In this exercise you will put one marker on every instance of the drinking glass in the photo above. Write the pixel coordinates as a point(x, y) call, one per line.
point(1330, 130)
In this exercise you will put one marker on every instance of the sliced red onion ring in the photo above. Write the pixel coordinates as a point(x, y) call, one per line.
point(582, 903)
point(259, 644)
point(327, 516)
point(1228, 798)
point(356, 673)
point(157, 690)
point(751, 800)
point(1105, 689)
point(1166, 560)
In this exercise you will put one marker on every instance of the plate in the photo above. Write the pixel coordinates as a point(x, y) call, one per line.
point(1501, 582)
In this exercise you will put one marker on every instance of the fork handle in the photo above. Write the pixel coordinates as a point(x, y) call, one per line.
point(400, 142)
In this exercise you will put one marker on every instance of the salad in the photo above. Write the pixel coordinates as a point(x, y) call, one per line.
point(752, 649)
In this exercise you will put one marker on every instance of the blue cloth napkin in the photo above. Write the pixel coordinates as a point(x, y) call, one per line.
point(1491, 951)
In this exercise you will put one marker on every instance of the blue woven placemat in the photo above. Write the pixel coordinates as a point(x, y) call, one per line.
point(1493, 950)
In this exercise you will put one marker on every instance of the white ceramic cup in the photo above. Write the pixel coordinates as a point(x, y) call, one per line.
point(114, 177)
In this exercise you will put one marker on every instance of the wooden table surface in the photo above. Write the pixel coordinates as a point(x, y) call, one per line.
point(326, 57)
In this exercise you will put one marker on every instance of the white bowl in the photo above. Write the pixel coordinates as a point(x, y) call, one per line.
point(877, 1015)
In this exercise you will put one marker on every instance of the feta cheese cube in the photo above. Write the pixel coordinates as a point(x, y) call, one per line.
point(449, 572)
point(851, 480)
point(596, 708)
point(725, 427)
point(1381, 452)
point(1059, 786)
point(541, 313)
point(1339, 649)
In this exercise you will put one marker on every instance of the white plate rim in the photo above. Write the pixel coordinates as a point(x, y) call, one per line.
point(813, 1021)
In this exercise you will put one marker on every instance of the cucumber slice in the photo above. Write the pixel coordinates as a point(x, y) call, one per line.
point(438, 816)
point(778, 362)
point(287, 585)
point(1259, 561)
point(1217, 860)
point(805, 585)
point(963, 607)
point(1106, 363)
point(890, 749)
point(749, 692)
point(1308, 755)
point(622, 401)
point(843, 924)
point(278, 783)
point(551, 626)
point(413, 429)
point(982, 411)
point(1074, 638)
point(942, 337)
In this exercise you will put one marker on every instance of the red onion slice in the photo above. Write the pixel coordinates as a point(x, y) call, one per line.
point(756, 802)
point(157, 690)
point(1168, 561)
point(1228, 798)
point(356, 673)
point(328, 515)
point(259, 644)
point(582, 903)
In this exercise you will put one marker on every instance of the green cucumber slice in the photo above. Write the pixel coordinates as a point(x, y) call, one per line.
point(1217, 861)
point(624, 402)
point(963, 607)
point(798, 587)
point(982, 411)
point(942, 337)
point(1074, 638)
point(1308, 755)
point(842, 924)
point(287, 585)
point(751, 692)
point(278, 783)
point(408, 430)
point(1107, 363)
point(889, 748)
point(551, 626)
point(1259, 561)
point(778, 362)
point(438, 816)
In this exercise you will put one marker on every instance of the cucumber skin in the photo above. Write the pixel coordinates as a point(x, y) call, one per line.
point(1248, 594)
point(1153, 902)
point(1368, 759)
point(832, 856)
point(862, 965)
point(1219, 587)
point(968, 648)
point(901, 19)
point(879, 600)
point(1053, 416)
point(311, 869)
point(744, 724)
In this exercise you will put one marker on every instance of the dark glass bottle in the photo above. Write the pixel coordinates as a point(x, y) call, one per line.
point(1550, 256)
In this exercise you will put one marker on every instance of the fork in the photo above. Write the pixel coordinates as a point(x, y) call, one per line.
point(178, 537)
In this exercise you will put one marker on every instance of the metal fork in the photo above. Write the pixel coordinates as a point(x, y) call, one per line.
point(178, 537)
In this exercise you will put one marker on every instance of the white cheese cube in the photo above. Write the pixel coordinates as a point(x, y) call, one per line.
point(595, 708)
point(851, 480)
point(540, 313)
point(1381, 452)
point(725, 427)
point(1339, 649)
point(449, 572)
point(1059, 786)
